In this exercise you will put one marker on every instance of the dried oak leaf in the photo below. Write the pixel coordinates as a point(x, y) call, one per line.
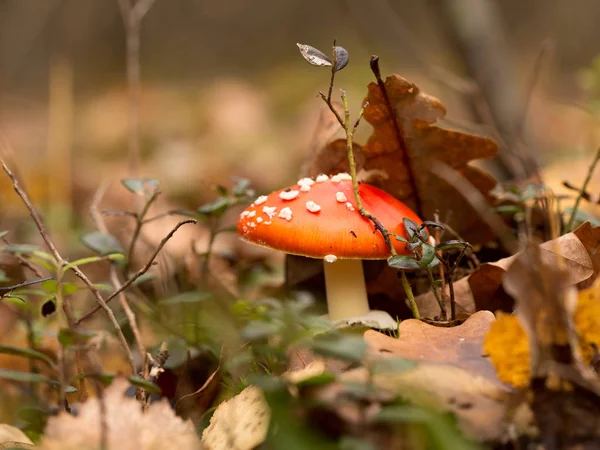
point(406, 141)
point(461, 346)
point(128, 427)
point(241, 422)
point(453, 374)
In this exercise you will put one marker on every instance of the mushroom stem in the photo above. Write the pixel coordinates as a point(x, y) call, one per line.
point(346, 289)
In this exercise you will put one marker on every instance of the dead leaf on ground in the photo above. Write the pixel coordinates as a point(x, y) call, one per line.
point(11, 436)
point(128, 427)
point(580, 251)
point(461, 346)
point(241, 422)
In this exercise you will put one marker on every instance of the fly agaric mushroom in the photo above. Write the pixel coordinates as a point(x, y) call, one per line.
point(319, 219)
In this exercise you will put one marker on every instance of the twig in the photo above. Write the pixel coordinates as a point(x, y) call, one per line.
point(50, 244)
point(138, 274)
point(132, 19)
point(114, 278)
point(349, 131)
point(139, 222)
point(583, 189)
point(398, 132)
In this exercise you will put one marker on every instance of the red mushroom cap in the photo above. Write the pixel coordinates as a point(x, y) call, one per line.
point(320, 218)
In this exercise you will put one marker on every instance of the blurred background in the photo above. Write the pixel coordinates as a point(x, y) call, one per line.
point(224, 91)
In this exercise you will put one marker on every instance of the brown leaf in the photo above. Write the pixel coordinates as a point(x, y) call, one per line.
point(405, 145)
point(483, 290)
point(580, 251)
point(461, 346)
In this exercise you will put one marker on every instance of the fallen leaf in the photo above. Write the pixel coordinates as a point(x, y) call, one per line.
point(461, 346)
point(12, 435)
point(576, 250)
point(240, 423)
point(479, 403)
point(127, 426)
point(404, 143)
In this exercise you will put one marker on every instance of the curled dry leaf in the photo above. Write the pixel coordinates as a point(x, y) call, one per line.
point(241, 422)
point(579, 250)
point(128, 427)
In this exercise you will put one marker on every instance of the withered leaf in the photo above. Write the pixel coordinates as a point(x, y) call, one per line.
point(460, 346)
point(405, 143)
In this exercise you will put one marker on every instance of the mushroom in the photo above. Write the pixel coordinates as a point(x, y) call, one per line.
point(319, 219)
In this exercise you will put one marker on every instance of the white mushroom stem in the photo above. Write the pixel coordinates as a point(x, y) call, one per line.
point(346, 289)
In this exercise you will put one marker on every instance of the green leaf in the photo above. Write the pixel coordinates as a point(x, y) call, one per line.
point(353, 443)
point(186, 298)
point(19, 248)
point(215, 208)
point(222, 190)
point(3, 233)
point(410, 226)
point(454, 244)
point(51, 286)
point(427, 255)
point(23, 377)
point(259, 329)
point(148, 386)
point(27, 353)
point(340, 346)
point(93, 259)
point(146, 187)
point(102, 243)
point(240, 187)
point(106, 378)
point(68, 337)
point(508, 210)
point(317, 380)
point(403, 262)
point(3, 277)
point(143, 278)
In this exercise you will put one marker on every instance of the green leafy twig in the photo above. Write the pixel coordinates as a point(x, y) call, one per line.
point(349, 129)
point(62, 262)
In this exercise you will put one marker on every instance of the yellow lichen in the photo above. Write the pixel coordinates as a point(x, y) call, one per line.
point(507, 345)
point(587, 321)
point(508, 348)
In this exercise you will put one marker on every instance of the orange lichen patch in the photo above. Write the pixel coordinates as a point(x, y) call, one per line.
point(508, 348)
point(295, 225)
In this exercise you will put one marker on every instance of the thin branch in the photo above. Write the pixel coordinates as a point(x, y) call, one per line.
point(114, 278)
point(52, 247)
point(132, 17)
point(583, 189)
point(139, 273)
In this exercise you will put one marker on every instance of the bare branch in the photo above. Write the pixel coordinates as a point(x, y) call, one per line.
point(52, 247)
point(139, 273)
